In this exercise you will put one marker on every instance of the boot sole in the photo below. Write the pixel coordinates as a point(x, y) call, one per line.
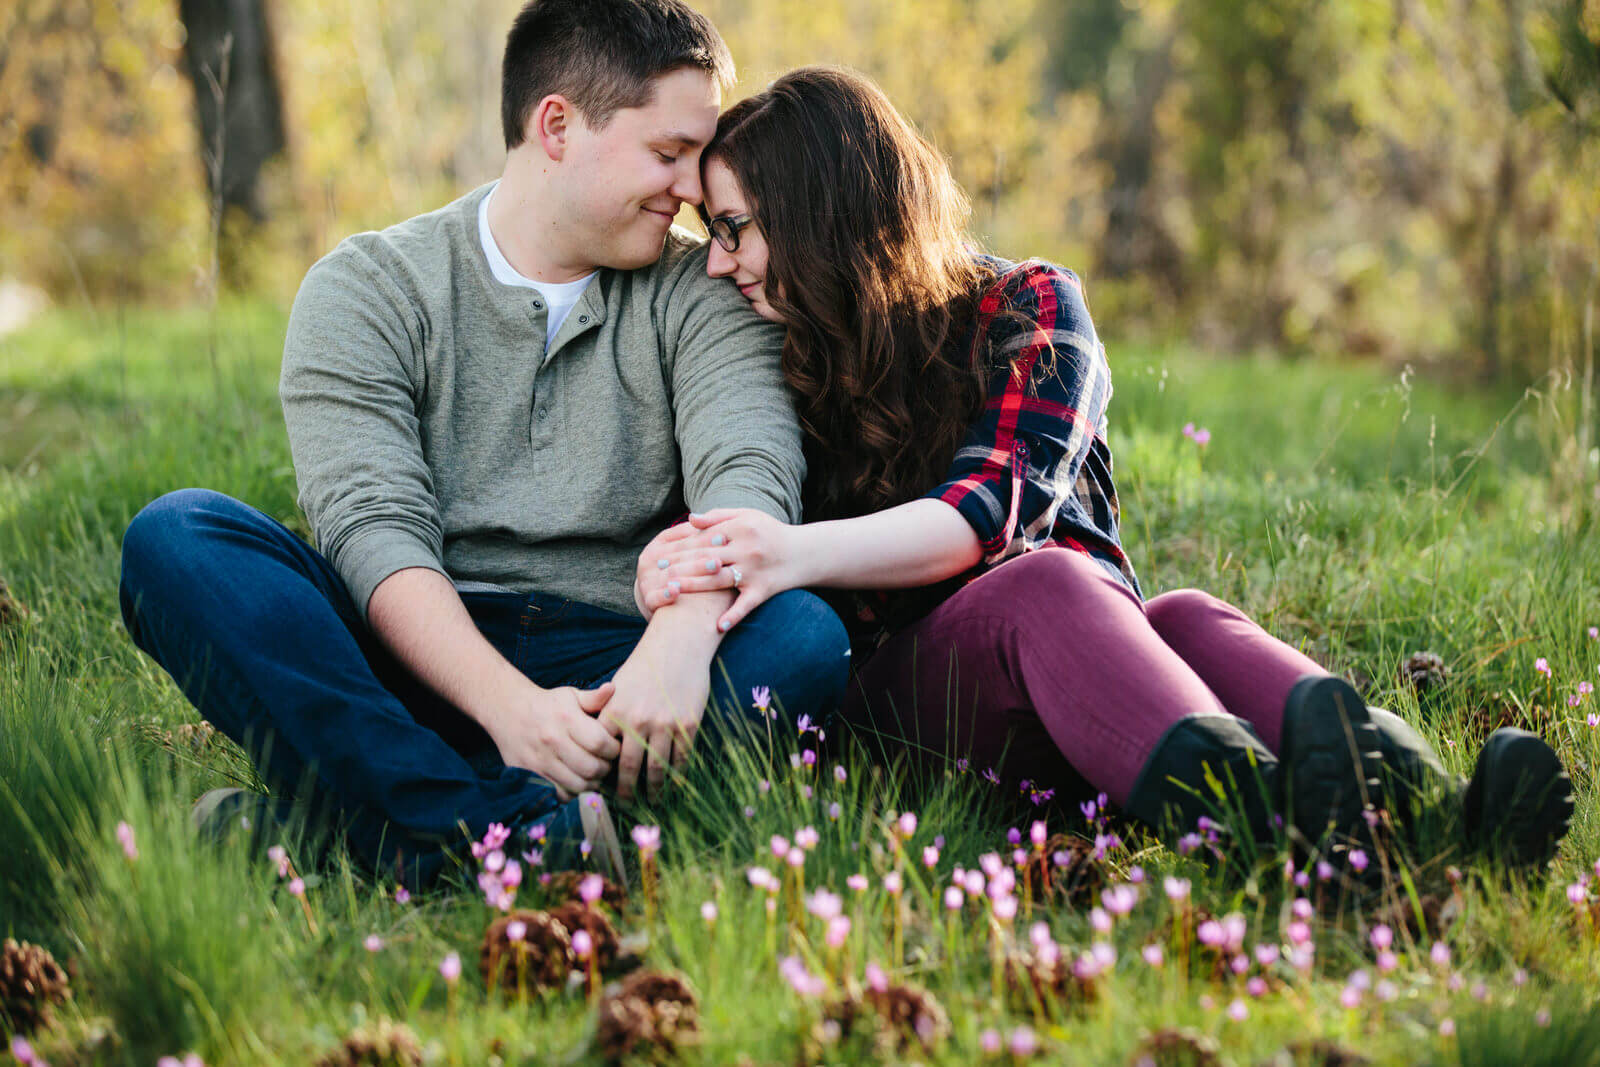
point(1519, 803)
point(1331, 760)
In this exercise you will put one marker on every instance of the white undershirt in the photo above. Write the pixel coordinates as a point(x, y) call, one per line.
point(559, 297)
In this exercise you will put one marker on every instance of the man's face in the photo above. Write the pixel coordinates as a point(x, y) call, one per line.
point(626, 181)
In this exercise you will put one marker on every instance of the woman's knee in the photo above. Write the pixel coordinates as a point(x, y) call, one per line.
point(1184, 609)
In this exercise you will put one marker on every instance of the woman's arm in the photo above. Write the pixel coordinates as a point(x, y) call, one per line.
point(914, 544)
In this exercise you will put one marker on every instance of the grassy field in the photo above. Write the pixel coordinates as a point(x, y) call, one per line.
point(1358, 513)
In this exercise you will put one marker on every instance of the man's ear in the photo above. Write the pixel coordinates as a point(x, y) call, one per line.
point(551, 125)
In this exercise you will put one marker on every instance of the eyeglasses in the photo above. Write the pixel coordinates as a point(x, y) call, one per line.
point(725, 229)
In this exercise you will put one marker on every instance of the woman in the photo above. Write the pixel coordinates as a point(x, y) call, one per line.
point(960, 490)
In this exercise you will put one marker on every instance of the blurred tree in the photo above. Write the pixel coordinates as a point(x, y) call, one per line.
point(229, 57)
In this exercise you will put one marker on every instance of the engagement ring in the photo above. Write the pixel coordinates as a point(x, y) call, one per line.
point(737, 576)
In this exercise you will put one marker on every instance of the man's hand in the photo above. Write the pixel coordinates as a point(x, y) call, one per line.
point(555, 733)
point(661, 692)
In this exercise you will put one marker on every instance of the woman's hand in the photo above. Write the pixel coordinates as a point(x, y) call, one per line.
point(728, 548)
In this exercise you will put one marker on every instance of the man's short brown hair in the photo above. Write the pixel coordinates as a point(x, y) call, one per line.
point(602, 55)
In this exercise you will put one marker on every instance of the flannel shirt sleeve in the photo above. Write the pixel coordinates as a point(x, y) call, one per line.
point(1018, 465)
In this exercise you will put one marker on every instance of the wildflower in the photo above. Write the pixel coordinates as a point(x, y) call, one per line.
point(1350, 997)
point(22, 1050)
point(1237, 1011)
point(1103, 954)
point(1177, 888)
point(974, 883)
point(537, 832)
point(835, 811)
point(963, 765)
point(1542, 665)
point(1301, 957)
point(1324, 870)
point(450, 968)
point(857, 882)
point(806, 837)
point(764, 787)
point(1480, 991)
point(991, 777)
point(1358, 860)
point(825, 905)
point(1153, 955)
point(930, 856)
point(780, 845)
point(534, 857)
point(991, 864)
point(1447, 1028)
point(582, 943)
point(1594, 633)
point(794, 761)
point(1301, 908)
point(1266, 955)
point(1542, 1017)
point(1039, 934)
point(1038, 833)
point(516, 930)
point(1210, 933)
point(1136, 874)
point(1240, 964)
point(1099, 921)
point(1119, 899)
point(373, 943)
point(1577, 893)
point(297, 887)
point(1202, 437)
point(893, 883)
point(585, 847)
point(1005, 908)
point(494, 860)
point(1359, 979)
point(1439, 954)
point(1519, 977)
point(796, 857)
point(989, 1041)
point(1592, 719)
point(125, 838)
point(402, 895)
point(1299, 933)
point(809, 758)
point(1302, 879)
point(1585, 688)
point(708, 912)
point(280, 856)
point(838, 930)
point(1387, 961)
point(800, 980)
point(1023, 1043)
point(877, 980)
point(803, 724)
point(1234, 927)
point(839, 773)
point(1188, 429)
point(954, 898)
point(1387, 991)
point(906, 825)
point(648, 839)
point(1019, 857)
point(1256, 987)
point(761, 878)
point(761, 697)
point(1381, 937)
point(1002, 884)
point(1188, 843)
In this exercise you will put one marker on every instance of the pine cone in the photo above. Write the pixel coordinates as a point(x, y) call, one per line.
point(1319, 1053)
point(1177, 1048)
point(913, 1013)
point(575, 916)
point(1425, 671)
point(1078, 883)
point(648, 1014)
point(31, 982)
point(11, 609)
point(541, 959)
point(564, 886)
point(382, 1044)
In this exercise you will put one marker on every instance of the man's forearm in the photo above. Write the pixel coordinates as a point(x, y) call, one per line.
point(419, 617)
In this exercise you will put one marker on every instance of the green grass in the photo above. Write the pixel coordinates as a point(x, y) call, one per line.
point(1358, 514)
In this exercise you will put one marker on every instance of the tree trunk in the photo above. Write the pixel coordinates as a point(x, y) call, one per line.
point(229, 58)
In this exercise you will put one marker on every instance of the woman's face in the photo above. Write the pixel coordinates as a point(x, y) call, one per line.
point(747, 266)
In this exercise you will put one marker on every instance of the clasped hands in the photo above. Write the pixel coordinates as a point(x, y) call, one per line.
point(646, 718)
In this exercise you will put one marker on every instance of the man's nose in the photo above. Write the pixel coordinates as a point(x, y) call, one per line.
point(686, 186)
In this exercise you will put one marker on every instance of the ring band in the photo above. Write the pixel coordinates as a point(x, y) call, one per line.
point(738, 576)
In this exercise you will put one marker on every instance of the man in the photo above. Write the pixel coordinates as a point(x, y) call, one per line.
point(492, 408)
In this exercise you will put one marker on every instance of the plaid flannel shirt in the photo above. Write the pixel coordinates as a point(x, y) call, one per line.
point(1034, 470)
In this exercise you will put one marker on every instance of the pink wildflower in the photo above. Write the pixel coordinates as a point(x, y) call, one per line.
point(125, 838)
point(516, 930)
point(450, 968)
point(647, 839)
point(591, 888)
point(1237, 1011)
point(989, 1042)
point(893, 883)
point(1447, 1028)
point(761, 697)
point(1177, 888)
point(1023, 1043)
point(825, 905)
point(1202, 437)
point(708, 911)
point(858, 882)
point(839, 773)
point(954, 898)
point(297, 887)
point(1153, 955)
point(1542, 665)
point(807, 838)
point(582, 944)
point(801, 980)
point(835, 810)
point(907, 824)
point(1439, 954)
point(1381, 937)
point(838, 930)
point(877, 980)
point(373, 943)
point(402, 895)
point(279, 856)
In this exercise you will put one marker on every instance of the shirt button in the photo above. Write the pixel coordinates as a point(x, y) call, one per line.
point(544, 413)
point(583, 318)
point(538, 306)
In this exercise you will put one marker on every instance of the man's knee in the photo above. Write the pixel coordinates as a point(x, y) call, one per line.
point(161, 532)
point(805, 657)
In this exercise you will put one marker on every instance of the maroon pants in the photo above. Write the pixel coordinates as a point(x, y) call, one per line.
point(1050, 666)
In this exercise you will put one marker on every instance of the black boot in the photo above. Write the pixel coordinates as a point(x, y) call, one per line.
point(1516, 807)
point(1213, 766)
point(1519, 803)
point(1329, 750)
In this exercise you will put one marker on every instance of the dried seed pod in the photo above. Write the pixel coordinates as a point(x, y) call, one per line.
point(1079, 880)
point(381, 1044)
point(11, 609)
point(31, 984)
point(650, 1014)
point(912, 1013)
point(542, 957)
point(1319, 1053)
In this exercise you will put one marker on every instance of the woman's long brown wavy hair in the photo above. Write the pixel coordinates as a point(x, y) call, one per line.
point(869, 267)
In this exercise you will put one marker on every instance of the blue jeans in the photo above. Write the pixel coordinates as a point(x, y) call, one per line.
point(262, 636)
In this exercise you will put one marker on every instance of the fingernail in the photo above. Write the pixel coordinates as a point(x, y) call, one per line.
point(722, 625)
point(673, 588)
point(718, 540)
point(711, 566)
point(694, 515)
point(661, 564)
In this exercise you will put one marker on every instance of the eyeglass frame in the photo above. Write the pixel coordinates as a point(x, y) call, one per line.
point(732, 225)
